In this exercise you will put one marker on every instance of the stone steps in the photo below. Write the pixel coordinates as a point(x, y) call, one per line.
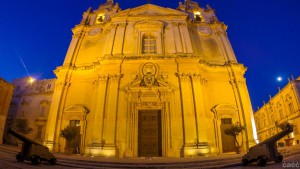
point(77, 161)
point(191, 164)
point(8, 151)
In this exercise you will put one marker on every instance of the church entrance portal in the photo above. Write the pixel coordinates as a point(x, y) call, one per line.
point(227, 140)
point(149, 133)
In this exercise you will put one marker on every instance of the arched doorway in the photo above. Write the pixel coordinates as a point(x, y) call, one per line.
point(224, 116)
point(75, 115)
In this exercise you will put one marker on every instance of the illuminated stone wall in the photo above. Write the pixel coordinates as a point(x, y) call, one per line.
point(283, 107)
point(121, 62)
point(6, 91)
point(31, 101)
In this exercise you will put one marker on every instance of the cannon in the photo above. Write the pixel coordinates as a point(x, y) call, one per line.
point(32, 150)
point(266, 151)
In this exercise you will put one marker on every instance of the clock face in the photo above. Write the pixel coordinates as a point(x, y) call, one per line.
point(204, 31)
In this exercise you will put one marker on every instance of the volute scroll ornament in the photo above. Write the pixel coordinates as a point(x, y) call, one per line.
point(95, 31)
point(204, 31)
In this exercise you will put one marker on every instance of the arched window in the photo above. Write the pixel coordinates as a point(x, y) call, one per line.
point(43, 108)
point(24, 112)
point(149, 44)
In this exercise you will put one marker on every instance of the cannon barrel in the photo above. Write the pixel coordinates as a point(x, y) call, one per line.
point(288, 129)
point(22, 137)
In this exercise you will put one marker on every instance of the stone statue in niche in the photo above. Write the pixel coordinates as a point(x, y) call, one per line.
point(149, 72)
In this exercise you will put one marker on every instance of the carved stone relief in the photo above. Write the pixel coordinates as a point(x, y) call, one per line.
point(149, 71)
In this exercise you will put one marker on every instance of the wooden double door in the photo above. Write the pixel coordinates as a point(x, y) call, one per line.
point(149, 133)
point(228, 142)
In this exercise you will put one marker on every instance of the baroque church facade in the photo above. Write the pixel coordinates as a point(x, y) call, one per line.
point(150, 81)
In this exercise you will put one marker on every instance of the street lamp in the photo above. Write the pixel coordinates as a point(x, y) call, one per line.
point(31, 79)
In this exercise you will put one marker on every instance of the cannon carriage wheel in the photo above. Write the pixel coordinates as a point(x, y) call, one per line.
point(262, 161)
point(245, 162)
point(20, 157)
point(279, 158)
point(35, 160)
point(52, 161)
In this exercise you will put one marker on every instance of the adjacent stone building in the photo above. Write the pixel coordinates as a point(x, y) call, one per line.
point(283, 107)
point(31, 101)
point(6, 92)
point(150, 81)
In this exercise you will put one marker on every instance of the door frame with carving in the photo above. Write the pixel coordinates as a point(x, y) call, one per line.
point(222, 111)
point(75, 112)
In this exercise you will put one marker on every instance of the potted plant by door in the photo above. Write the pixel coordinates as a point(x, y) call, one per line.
point(234, 130)
point(22, 126)
point(69, 133)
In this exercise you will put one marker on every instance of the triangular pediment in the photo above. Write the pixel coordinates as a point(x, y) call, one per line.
point(136, 84)
point(76, 108)
point(149, 10)
point(225, 107)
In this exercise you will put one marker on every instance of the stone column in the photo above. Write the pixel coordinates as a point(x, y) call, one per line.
point(225, 44)
point(74, 45)
point(110, 115)
point(99, 108)
point(177, 38)
point(109, 44)
point(55, 113)
point(199, 106)
point(185, 37)
point(119, 42)
point(245, 109)
point(188, 115)
point(104, 133)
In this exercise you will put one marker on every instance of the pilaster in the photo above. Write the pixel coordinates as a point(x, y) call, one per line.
point(198, 81)
point(55, 113)
point(99, 108)
point(222, 35)
point(188, 112)
point(119, 42)
point(74, 45)
point(177, 38)
point(110, 39)
point(186, 40)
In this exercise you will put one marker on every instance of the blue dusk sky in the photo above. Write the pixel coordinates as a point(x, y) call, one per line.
point(265, 35)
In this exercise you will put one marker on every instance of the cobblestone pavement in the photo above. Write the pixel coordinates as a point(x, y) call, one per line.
point(292, 162)
point(8, 161)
